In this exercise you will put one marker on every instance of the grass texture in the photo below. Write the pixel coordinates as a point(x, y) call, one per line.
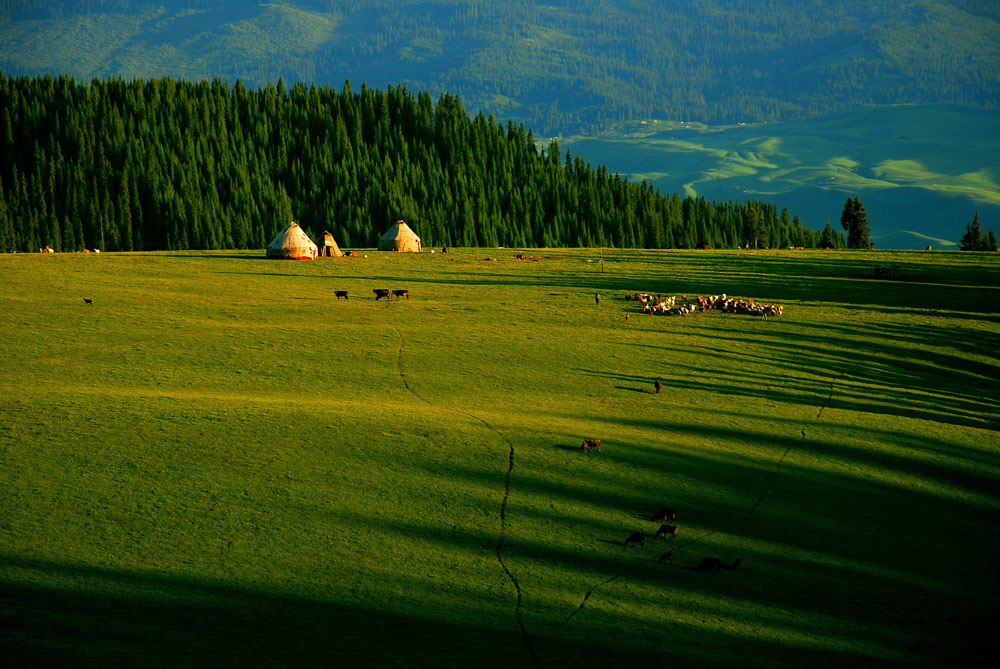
point(219, 463)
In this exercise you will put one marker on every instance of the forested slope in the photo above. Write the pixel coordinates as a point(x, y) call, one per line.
point(169, 164)
point(560, 66)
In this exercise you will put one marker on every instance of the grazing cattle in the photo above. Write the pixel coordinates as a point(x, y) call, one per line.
point(589, 444)
point(381, 293)
point(636, 538)
point(710, 564)
point(667, 529)
point(401, 293)
point(340, 294)
point(665, 514)
point(667, 556)
point(88, 300)
point(659, 386)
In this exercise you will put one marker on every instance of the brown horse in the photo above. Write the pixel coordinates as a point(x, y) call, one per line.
point(589, 444)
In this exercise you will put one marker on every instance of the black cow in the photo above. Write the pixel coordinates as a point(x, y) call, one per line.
point(380, 293)
point(667, 529)
point(664, 514)
point(401, 293)
point(636, 538)
point(710, 564)
point(340, 294)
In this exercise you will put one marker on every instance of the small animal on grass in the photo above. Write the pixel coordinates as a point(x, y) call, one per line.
point(709, 564)
point(667, 529)
point(88, 300)
point(340, 294)
point(589, 444)
point(380, 293)
point(659, 386)
point(664, 514)
point(667, 557)
point(636, 538)
point(401, 293)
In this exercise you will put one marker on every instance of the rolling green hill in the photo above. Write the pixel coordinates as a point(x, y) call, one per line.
point(218, 463)
point(922, 171)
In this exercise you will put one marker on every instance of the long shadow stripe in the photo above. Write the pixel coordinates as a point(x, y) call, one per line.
point(503, 504)
point(760, 499)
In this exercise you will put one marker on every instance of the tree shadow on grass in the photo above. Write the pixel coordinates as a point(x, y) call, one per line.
point(113, 617)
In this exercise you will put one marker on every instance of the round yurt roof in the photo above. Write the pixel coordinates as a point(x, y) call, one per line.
point(399, 238)
point(292, 243)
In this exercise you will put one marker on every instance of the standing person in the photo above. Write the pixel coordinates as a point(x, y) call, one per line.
point(597, 297)
point(659, 385)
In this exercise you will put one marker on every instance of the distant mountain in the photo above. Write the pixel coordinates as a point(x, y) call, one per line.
point(922, 171)
point(559, 66)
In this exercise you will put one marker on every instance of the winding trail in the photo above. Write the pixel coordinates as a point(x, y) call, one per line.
point(641, 562)
point(501, 540)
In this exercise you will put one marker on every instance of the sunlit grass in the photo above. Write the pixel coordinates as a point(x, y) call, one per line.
point(217, 438)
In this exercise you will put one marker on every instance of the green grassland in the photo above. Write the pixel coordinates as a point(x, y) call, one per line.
point(219, 463)
point(922, 171)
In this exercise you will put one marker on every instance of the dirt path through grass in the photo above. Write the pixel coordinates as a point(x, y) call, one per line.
point(506, 490)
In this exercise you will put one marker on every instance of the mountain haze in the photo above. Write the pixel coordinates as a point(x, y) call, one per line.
point(558, 66)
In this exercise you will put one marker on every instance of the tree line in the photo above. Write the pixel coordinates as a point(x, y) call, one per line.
point(169, 164)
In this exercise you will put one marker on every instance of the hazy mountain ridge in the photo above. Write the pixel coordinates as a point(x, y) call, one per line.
point(559, 66)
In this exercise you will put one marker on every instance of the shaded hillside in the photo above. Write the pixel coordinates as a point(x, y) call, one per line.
point(921, 170)
point(168, 164)
point(558, 66)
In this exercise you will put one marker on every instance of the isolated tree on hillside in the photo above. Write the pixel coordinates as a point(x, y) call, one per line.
point(826, 240)
point(855, 220)
point(753, 227)
point(975, 240)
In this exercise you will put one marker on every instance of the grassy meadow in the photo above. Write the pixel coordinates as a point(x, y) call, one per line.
point(219, 463)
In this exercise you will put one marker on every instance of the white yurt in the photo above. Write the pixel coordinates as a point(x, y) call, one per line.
point(399, 238)
point(292, 243)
